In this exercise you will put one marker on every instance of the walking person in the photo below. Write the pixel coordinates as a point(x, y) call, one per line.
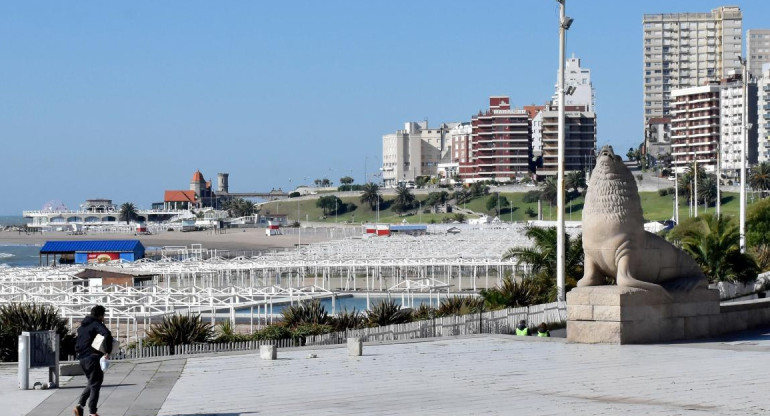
point(542, 330)
point(89, 357)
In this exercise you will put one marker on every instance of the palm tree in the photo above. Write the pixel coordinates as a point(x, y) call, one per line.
point(371, 195)
point(686, 182)
point(549, 193)
point(575, 179)
point(707, 190)
point(128, 212)
point(759, 178)
point(541, 257)
point(404, 199)
point(714, 243)
point(239, 207)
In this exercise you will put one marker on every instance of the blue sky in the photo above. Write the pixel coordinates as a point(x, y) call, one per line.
point(123, 100)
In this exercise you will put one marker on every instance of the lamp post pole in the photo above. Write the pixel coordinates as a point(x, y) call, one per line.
point(744, 132)
point(564, 23)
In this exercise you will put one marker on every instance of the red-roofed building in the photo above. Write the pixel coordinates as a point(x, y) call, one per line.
point(180, 200)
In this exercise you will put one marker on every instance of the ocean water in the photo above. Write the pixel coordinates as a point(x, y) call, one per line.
point(19, 255)
point(13, 220)
point(358, 301)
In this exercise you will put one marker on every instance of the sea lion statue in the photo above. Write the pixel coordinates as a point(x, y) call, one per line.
point(615, 243)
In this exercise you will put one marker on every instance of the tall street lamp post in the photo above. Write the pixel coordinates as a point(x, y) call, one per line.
point(745, 131)
point(564, 24)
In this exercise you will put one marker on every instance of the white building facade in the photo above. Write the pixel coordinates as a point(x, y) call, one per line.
point(695, 115)
point(731, 126)
point(763, 115)
point(684, 50)
point(577, 80)
point(414, 151)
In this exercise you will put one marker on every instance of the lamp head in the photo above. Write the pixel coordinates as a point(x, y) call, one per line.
point(567, 22)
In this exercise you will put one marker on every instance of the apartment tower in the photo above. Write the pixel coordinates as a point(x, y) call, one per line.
point(695, 126)
point(683, 50)
point(758, 50)
point(500, 143)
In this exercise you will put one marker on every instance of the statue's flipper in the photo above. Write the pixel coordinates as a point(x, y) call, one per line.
point(625, 277)
point(592, 276)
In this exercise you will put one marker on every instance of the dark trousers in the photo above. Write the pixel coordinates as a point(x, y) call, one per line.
point(95, 375)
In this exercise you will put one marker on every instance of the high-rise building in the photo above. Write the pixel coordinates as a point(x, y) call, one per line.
point(731, 125)
point(683, 50)
point(414, 151)
point(695, 126)
point(757, 50)
point(579, 139)
point(763, 115)
point(577, 81)
point(500, 143)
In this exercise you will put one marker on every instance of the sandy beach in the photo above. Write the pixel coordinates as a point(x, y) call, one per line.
point(232, 239)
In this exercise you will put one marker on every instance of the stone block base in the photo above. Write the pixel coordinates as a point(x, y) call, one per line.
point(268, 352)
point(355, 347)
point(622, 315)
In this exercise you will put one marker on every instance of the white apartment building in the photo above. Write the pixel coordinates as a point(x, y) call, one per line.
point(578, 80)
point(763, 115)
point(695, 127)
point(684, 50)
point(731, 125)
point(414, 151)
point(757, 50)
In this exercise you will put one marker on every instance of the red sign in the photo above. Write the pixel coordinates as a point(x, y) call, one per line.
point(102, 257)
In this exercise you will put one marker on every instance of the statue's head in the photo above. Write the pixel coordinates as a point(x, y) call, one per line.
point(607, 158)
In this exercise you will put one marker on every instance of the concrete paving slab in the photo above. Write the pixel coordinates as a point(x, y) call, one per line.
point(477, 375)
point(17, 402)
point(130, 388)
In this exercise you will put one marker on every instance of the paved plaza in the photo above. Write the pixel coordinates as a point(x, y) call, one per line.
point(453, 376)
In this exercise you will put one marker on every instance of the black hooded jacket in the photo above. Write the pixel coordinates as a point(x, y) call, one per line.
point(86, 334)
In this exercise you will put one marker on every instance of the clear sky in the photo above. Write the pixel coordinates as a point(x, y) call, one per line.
point(123, 100)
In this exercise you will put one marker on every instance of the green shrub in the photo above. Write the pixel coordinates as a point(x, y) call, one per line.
point(16, 318)
point(300, 332)
point(531, 197)
point(272, 333)
point(662, 192)
point(530, 212)
point(179, 330)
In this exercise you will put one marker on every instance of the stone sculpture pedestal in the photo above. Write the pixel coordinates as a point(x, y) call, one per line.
point(622, 315)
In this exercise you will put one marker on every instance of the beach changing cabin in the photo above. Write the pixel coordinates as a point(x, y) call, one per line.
point(90, 252)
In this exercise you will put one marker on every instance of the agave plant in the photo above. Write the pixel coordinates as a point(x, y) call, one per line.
point(16, 318)
point(460, 305)
point(512, 293)
point(225, 332)
point(304, 313)
point(424, 312)
point(346, 319)
point(179, 330)
point(388, 312)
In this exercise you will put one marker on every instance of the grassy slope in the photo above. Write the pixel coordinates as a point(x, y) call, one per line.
point(655, 207)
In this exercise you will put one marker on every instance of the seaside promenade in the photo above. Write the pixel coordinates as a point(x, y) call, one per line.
point(481, 374)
